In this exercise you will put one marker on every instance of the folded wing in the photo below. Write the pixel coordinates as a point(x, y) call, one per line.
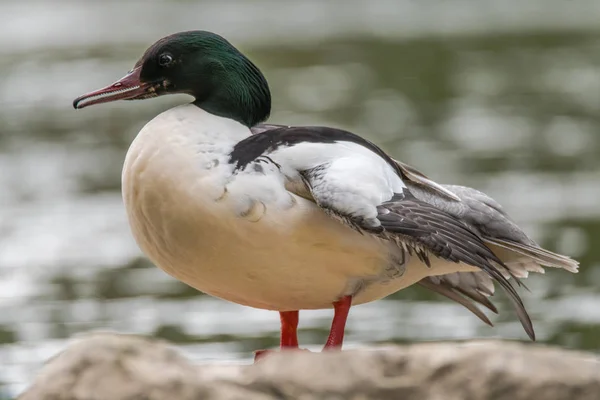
point(357, 183)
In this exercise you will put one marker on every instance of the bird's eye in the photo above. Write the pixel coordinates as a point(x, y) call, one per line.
point(164, 60)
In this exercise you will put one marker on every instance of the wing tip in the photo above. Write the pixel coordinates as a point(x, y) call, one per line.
point(529, 329)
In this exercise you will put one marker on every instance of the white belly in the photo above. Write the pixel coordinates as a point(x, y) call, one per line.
point(280, 254)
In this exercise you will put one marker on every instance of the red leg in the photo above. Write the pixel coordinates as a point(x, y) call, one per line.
point(289, 329)
point(336, 334)
point(289, 333)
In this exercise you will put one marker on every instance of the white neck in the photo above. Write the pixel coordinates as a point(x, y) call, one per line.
point(197, 125)
point(184, 138)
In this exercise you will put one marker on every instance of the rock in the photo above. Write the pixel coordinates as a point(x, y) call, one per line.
point(119, 367)
point(127, 367)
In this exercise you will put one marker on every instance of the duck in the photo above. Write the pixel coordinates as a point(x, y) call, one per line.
point(289, 218)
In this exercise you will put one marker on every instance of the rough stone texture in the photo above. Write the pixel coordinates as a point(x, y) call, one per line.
point(126, 367)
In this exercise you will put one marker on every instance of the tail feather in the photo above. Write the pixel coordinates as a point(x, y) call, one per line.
point(453, 294)
point(538, 255)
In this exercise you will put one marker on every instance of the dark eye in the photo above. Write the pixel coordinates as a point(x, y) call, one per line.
point(165, 60)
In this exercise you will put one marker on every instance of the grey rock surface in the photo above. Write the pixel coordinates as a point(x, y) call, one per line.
point(128, 367)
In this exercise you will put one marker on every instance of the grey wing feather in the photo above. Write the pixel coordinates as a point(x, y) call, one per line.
point(486, 217)
point(418, 179)
point(446, 237)
point(463, 298)
point(478, 211)
point(504, 237)
point(426, 230)
point(467, 286)
point(441, 234)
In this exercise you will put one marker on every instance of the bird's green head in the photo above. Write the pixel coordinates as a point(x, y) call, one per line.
point(202, 64)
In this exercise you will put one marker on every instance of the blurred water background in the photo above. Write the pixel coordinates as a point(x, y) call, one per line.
point(503, 96)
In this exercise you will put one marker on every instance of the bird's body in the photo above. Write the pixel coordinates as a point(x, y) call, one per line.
point(241, 235)
point(290, 218)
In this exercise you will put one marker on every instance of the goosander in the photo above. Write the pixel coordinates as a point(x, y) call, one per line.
point(290, 218)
